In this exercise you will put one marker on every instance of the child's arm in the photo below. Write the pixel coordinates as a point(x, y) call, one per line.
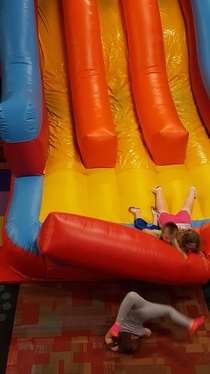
point(109, 342)
point(128, 302)
point(155, 233)
point(108, 337)
point(176, 245)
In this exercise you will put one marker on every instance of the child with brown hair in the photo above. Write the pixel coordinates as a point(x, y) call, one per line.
point(182, 219)
point(188, 239)
point(124, 336)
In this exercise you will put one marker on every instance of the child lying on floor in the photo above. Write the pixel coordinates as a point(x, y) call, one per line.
point(124, 336)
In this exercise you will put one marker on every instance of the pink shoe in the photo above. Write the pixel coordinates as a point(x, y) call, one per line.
point(196, 323)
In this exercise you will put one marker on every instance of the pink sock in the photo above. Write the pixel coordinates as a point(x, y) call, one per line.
point(115, 329)
point(196, 323)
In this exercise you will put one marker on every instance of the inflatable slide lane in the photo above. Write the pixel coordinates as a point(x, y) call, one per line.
point(101, 102)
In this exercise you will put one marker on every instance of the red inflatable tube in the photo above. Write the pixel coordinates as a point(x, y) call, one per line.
point(164, 134)
point(33, 267)
point(18, 264)
point(117, 249)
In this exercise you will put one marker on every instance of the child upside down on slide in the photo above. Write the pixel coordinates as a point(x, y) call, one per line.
point(124, 336)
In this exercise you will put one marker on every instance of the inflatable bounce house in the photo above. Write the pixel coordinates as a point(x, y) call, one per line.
point(101, 101)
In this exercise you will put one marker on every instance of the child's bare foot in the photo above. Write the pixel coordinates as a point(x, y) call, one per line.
point(134, 210)
point(156, 189)
point(154, 211)
point(196, 323)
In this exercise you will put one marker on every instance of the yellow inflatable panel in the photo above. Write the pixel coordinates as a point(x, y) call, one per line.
point(107, 193)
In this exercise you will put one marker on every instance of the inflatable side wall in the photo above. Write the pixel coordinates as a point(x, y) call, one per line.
point(24, 129)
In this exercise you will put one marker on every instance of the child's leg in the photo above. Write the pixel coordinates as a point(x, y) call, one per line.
point(188, 204)
point(147, 310)
point(135, 211)
point(155, 219)
point(160, 310)
point(159, 202)
point(155, 216)
point(139, 223)
point(174, 315)
point(131, 300)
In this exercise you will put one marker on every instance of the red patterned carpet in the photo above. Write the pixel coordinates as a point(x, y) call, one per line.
point(59, 329)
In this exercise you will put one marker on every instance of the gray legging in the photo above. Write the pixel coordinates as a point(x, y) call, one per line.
point(134, 311)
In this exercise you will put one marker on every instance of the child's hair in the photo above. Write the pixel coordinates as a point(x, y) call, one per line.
point(127, 344)
point(171, 227)
point(190, 241)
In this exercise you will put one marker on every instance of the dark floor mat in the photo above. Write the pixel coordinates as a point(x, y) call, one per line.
point(8, 300)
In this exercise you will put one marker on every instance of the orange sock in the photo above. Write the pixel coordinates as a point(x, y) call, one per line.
point(196, 323)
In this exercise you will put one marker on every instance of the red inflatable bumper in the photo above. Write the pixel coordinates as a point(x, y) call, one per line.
point(121, 251)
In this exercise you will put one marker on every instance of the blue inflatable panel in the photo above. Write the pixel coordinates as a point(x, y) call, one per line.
point(23, 224)
point(201, 13)
point(21, 100)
